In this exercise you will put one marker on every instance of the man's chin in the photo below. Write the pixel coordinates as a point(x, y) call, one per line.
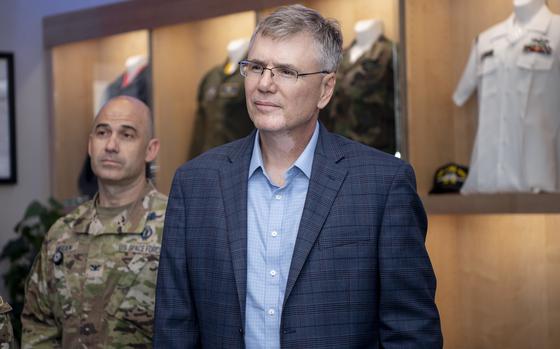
point(108, 176)
point(269, 124)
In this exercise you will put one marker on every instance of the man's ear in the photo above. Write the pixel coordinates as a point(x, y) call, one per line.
point(327, 89)
point(152, 150)
point(90, 139)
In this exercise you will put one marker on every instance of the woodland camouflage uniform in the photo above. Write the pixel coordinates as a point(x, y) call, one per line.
point(362, 107)
point(221, 116)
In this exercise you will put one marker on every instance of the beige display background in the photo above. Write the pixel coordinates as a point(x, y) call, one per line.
point(74, 68)
point(182, 54)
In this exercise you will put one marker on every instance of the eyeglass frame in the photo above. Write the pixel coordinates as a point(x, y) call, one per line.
point(298, 74)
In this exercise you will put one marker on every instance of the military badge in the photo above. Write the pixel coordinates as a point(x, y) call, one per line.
point(540, 46)
point(58, 257)
point(151, 216)
point(147, 232)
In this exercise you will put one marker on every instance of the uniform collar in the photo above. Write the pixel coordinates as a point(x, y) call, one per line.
point(130, 220)
point(373, 53)
point(540, 23)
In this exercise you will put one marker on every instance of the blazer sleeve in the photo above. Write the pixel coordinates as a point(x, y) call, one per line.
point(408, 314)
point(175, 324)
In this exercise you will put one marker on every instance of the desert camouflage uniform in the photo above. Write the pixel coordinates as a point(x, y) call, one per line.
point(6, 331)
point(93, 285)
point(221, 116)
point(363, 104)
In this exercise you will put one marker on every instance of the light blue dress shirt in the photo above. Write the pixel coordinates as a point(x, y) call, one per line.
point(273, 217)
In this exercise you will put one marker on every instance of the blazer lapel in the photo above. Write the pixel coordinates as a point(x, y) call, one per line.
point(234, 191)
point(327, 175)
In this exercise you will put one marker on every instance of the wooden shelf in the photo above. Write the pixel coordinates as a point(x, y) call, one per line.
point(491, 203)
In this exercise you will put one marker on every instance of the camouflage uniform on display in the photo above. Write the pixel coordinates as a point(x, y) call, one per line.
point(222, 114)
point(93, 283)
point(363, 106)
point(6, 331)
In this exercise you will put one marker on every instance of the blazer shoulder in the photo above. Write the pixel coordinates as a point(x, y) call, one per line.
point(355, 152)
point(215, 158)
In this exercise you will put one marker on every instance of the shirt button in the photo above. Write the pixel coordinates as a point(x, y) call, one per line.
point(274, 234)
point(271, 312)
point(273, 273)
point(278, 197)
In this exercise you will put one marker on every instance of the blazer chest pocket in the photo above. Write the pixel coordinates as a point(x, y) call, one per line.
point(342, 236)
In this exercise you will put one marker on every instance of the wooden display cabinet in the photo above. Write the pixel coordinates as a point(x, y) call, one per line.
point(181, 50)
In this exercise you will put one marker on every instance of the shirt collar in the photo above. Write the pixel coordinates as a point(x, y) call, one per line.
point(304, 162)
point(539, 23)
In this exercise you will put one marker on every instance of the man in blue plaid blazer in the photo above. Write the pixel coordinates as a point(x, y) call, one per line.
point(294, 237)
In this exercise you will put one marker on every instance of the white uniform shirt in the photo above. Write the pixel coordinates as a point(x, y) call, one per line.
point(517, 145)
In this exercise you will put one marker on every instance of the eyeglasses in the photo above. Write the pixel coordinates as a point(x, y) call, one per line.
point(253, 69)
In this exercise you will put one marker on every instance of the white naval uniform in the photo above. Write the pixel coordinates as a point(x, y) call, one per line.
point(517, 145)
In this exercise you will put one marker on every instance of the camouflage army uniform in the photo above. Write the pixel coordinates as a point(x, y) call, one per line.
point(362, 107)
point(6, 331)
point(93, 284)
point(221, 116)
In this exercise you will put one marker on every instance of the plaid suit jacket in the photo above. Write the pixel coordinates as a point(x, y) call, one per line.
point(360, 276)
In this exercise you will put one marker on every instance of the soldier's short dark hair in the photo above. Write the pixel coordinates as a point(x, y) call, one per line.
point(294, 19)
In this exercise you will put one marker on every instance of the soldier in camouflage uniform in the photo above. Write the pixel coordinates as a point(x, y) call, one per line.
point(6, 331)
point(362, 107)
point(221, 116)
point(93, 283)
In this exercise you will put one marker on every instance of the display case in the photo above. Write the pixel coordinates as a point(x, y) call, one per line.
point(181, 51)
point(82, 74)
point(439, 37)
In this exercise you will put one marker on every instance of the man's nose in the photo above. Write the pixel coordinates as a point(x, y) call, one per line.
point(112, 144)
point(266, 80)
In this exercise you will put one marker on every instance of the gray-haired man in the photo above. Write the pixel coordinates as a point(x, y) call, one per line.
point(294, 237)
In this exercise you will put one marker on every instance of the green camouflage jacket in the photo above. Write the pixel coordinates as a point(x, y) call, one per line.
point(362, 107)
point(93, 286)
point(6, 331)
point(221, 115)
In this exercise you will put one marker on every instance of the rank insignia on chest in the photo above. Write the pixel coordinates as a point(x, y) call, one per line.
point(152, 216)
point(58, 257)
point(147, 232)
point(541, 46)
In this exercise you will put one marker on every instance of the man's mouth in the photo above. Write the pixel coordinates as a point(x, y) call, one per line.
point(110, 162)
point(265, 105)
